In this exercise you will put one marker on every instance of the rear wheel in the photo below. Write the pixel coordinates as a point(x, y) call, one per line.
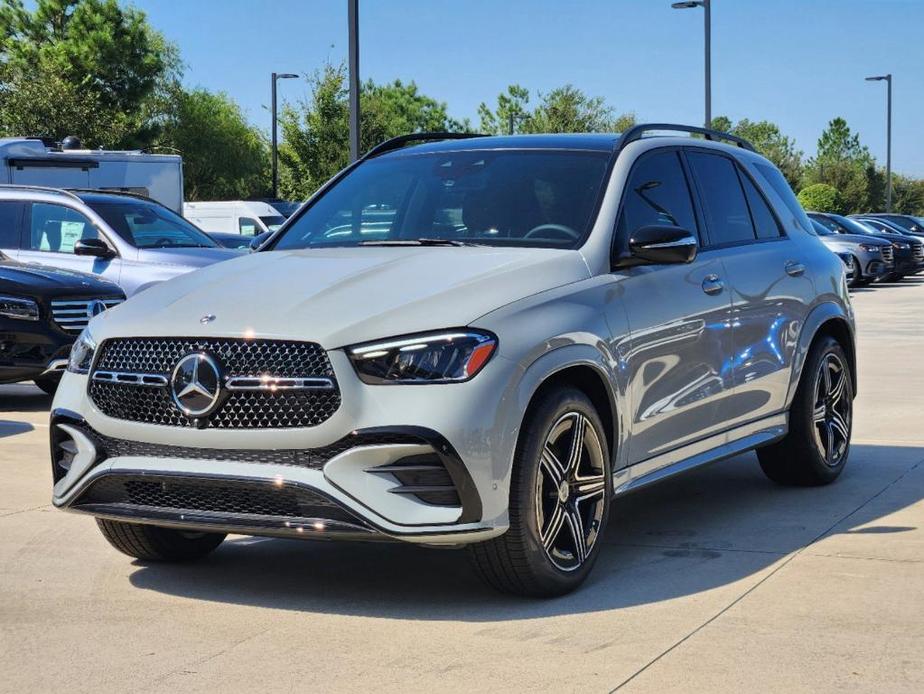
point(559, 501)
point(153, 543)
point(820, 422)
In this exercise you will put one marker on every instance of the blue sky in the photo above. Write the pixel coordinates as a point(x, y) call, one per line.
point(796, 62)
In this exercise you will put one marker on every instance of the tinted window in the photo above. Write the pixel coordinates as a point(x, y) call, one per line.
point(656, 193)
point(9, 224)
point(821, 229)
point(55, 228)
point(273, 222)
point(781, 187)
point(764, 222)
point(489, 197)
point(727, 215)
point(829, 223)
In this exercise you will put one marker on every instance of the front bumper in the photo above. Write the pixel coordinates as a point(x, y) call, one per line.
point(342, 462)
point(29, 349)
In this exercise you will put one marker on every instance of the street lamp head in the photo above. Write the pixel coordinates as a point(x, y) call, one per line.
point(286, 76)
point(879, 78)
point(687, 5)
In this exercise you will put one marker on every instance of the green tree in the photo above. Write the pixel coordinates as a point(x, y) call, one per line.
point(819, 197)
point(97, 62)
point(224, 157)
point(907, 195)
point(844, 163)
point(315, 131)
point(769, 140)
point(565, 109)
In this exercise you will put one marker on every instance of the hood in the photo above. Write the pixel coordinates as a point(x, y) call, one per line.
point(340, 296)
point(188, 257)
point(43, 281)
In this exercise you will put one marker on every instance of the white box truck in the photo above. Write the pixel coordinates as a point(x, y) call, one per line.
point(34, 162)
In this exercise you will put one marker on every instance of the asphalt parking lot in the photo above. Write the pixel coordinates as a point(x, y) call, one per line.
point(717, 581)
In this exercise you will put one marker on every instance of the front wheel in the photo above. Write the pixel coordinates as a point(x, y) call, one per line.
point(559, 501)
point(815, 450)
point(153, 543)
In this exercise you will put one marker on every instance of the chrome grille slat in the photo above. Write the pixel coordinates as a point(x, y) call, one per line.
point(71, 314)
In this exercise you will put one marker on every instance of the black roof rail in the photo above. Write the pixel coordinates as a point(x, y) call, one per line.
point(637, 131)
point(399, 142)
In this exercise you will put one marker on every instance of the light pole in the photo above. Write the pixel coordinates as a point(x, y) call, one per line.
point(513, 119)
point(353, 22)
point(888, 80)
point(277, 76)
point(707, 15)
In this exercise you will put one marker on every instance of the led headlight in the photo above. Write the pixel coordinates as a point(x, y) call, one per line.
point(81, 353)
point(441, 357)
point(18, 308)
point(869, 248)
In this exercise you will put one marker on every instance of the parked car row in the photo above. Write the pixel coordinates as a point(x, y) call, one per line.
point(878, 247)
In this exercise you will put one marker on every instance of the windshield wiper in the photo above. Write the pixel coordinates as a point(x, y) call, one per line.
point(417, 242)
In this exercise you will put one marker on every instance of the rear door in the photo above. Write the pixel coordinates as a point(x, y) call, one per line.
point(679, 319)
point(770, 290)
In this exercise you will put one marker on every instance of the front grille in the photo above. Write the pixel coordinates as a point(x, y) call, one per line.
point(179, 495)
point(72, 315)
point(917, 252)
point(888, 254)
point(246, 409)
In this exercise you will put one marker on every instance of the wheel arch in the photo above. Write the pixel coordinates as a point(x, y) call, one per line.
point(831, 320)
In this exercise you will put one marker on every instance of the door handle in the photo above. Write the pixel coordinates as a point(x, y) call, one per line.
point(794, 268)
point(713, 285)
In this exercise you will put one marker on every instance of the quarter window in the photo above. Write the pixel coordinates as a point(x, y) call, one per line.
point(725, 208)
point(55, 228)
point(9, 224)
point(657, 193)
point(765, 223)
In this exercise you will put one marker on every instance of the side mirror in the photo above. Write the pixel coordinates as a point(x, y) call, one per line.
point(661, 244)
point(258, 240)
point(94, 247)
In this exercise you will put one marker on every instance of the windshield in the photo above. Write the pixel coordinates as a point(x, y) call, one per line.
point(148, 225)
point(541, 198)
point(273, 222)
point(821, 230)
point(851, 226)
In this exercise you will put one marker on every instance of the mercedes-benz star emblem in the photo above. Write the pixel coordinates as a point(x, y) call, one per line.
point(196, 384)
point(95, 307)
point(207, 318)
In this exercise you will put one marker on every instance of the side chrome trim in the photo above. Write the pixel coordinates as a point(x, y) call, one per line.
point(55, 366)
point(129, 379)
point(710, 450)
point(277, 383)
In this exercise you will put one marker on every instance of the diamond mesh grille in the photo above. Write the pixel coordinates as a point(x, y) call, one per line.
point(242, 409)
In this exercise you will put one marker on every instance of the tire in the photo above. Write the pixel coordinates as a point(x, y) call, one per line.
point(153, 543)
point(815, 450)
point(48, 384)
point(519, 561)
point(857, 280)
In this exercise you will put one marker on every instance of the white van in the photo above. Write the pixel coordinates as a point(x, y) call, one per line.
point(247, 217)
point(33, 162)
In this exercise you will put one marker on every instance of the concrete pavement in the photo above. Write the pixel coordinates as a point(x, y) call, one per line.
point(717, 581)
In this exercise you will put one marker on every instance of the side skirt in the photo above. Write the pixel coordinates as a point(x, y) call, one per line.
point(710, 450)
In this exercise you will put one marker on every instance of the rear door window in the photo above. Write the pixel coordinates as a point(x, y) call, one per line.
point(728, 219)
point(10, 221)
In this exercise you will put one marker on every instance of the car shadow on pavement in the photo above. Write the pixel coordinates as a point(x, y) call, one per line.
point(10, 428)
point(710, 528)
point(23, 398)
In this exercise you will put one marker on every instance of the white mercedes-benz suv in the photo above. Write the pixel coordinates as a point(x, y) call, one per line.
point(470, 341)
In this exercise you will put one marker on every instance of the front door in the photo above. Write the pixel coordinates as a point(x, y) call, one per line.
point(679, 337)
point(49, 234)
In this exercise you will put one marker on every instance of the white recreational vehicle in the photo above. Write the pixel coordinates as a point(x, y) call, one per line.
point(32, 161)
